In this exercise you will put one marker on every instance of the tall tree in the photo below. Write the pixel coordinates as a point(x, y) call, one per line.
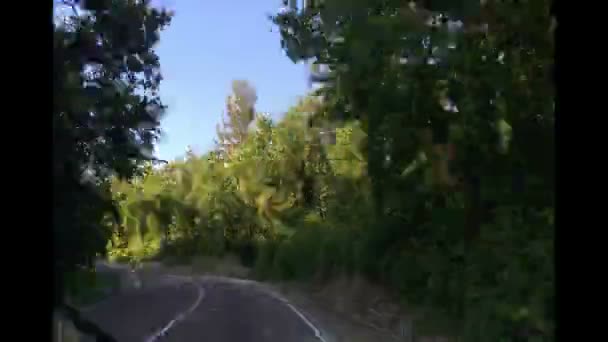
point(106, 113)
point(240, 112)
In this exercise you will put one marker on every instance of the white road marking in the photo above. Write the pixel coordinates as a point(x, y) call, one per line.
point(180, 317)
point(310, 325)
point(302, 317)
point(316, 331)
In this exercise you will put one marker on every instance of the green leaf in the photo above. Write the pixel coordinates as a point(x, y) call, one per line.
point(505, 134)
point(95, 5)
point(458, 9)
point(134, 64)
point(149, 58)
point(93, 91)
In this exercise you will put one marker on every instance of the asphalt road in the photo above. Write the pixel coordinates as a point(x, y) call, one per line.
point(172, 309)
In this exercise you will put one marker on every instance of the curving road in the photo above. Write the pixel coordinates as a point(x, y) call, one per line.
point(209, 309)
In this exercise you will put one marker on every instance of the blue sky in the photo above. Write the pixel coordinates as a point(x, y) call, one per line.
point(207, 45)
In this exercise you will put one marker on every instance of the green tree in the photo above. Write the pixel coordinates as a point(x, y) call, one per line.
point(106, 113)
point(240, 112)
point(441, 108)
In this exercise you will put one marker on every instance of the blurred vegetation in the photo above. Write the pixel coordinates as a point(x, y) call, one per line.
point(439, 184)
point(106, 114)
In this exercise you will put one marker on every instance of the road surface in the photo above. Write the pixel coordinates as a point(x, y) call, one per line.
point(200, 309)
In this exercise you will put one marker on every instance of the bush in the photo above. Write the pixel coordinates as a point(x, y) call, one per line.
point(335, 254)
point(212, 243)
point(266, 251)
point(302, 252)
point(373, 246)
point(283, 265)
point(247, 252)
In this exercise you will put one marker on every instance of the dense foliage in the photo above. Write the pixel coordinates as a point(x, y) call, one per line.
point(460, 148)
point(106, 112)
point(437, 183)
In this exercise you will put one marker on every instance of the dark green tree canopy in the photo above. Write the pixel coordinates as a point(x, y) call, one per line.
point(106, 114)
